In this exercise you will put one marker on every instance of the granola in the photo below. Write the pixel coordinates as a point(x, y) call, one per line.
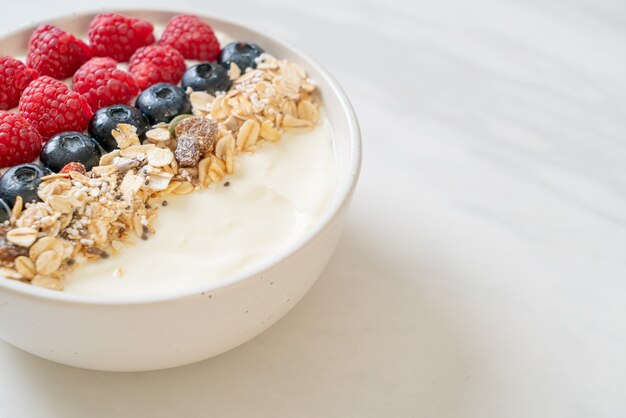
point(94, 215)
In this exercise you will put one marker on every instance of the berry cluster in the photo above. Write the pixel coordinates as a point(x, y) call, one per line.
point(63, 102)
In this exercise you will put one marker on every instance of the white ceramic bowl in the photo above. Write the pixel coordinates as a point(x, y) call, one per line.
point(156, 332)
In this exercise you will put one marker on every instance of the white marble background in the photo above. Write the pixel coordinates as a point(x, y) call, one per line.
point(483, 269)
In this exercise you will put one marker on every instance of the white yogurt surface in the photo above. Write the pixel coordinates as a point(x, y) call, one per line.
point(276, 194)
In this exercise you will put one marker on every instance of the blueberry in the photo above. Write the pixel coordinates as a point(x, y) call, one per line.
point(5, 211)
point(241, 53)
point(162, 102)
point(106, 120)
point(207, 77)
point(22, 180)
point(69, 147)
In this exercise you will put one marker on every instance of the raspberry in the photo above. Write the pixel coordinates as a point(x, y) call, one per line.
point(19, 140)
point(52, 107)
point(14, 77)
point(155, 64)
point(103, 84)
point(116, 36)
point(77, 167)
point(54, 52)
point(192, 37)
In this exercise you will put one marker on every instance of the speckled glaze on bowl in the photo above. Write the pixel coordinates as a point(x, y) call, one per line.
point(157, 332)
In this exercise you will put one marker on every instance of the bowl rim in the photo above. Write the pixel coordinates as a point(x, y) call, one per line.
point(344, 192)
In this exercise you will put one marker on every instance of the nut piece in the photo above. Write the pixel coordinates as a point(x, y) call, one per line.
point(187, 151)
point(23, 237)
point(203, 130)
point(87, 216)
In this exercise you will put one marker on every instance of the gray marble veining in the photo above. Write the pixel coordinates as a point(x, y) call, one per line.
point(483, 269)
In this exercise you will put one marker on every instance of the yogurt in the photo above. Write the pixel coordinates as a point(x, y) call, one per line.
point(276, 195)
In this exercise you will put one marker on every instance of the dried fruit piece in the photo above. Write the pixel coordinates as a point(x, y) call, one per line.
point(203, 130)
point(187, 151)
point(78, 167)
point(93, 214)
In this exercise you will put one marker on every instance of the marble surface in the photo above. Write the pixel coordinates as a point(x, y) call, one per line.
point(482, 272)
